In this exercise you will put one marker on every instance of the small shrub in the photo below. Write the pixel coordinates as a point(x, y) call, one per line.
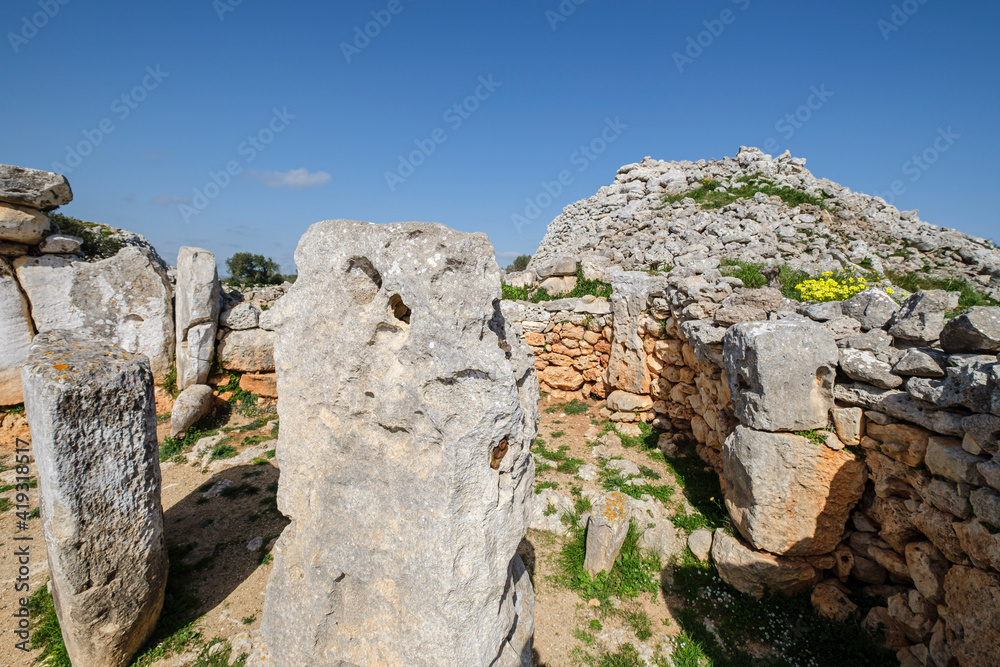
point(223, 451)
point(969, 294)
point(99, 241)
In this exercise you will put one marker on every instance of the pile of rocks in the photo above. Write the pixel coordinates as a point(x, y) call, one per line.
point(626, 225)
point(46, 283)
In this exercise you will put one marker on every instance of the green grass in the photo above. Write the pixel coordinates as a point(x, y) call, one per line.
point(45, 634)
point(537, 295)
point(541, 486)
point(5, 504)
point(709, 196)
point(813, 436)
point(222, 451)
point(574, 407)
point(204, 428)
point(969, 294)
point(789, 627)
point(647, 438)
point(702, 490)
point(749, 273)
point(633, 573)
point(564, 462)
point(239, 490)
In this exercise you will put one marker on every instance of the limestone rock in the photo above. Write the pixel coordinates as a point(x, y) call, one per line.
point(880, 626)
point(831, 602)
point(865, 367)
point(781, 374)
point(787, 495)
point(822, 312)
point(125, 299)
point(21, 224)
point(728, 316)
point(927, 567)
point(197, 314)
point(967, 385)
point(61, 244)
point(33, 187)
point(547, 510)
point(706, 340)
point(976, 330)
point(262, 384)
point(900, 405)
point(559, 266)
point(848, 423)
point(627, 368)
point(985, 430)
point(564, 378)
point(241, 316)
point(396, 404)
point(700, 543)
point(921, 317)
point(907, 444)
point(16, 332)
point(914, 614)
point(939, 527)
point(93, 427)
point(921, 362)
point(558, 285)
point(873, 308)
point(622, 401)
point(606, 531)
point(946, 457)
point(973, 628)
point(249, 351)
point(756, 572)
point(190, 405)
point(986, 505)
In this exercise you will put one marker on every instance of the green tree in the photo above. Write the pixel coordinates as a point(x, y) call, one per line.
point(247, 268)
point(520, 264)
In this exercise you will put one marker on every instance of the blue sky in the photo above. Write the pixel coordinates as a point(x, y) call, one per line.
point(161, 96)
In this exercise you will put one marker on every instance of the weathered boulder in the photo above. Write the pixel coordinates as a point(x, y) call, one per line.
point(240, 316)
point(558, 285)
point(986, 505)
point(945, 457)
point(788, 495)
point(973, 628)
point(606, 531)
point(197, 312)
point(565, 378)
point(866, 367)
point(921, 317)
point(248, 351)
point(22, 224)
point(756, 572)
point(730, 315)
point(558, 266)
point(262, 384)
point(125, 299)
point(33, 187)
point(93, 428)
point(873, 308)
point(16, 332)
point(922, 362)
point(984, 430)
point(849, 424)
point(781, 374)
point(700, 543)
point(190, 405)
point(407, 412)
point(907, 444)
point(976, 330)
point(627, 369)
point(622, 401)
point(900, 405)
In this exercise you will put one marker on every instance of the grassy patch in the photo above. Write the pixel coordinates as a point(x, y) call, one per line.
point(5, 504)
point(710, 195)
point(749, 273)
point(634, 572)
point(647, 438)
point(204, 428)
point(541, 486)
point(574, 407)
point(583, 287)
point(813, 436)
point(45, 633)
point(564, 463)
point(702, 490)
point(222, 451)
point(99, 241)
point(969, 294)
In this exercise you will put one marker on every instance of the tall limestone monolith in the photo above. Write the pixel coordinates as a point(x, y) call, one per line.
point(93, 425)
point(197, 313)
point(408, 406)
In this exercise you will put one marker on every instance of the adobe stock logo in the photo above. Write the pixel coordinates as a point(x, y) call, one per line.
point(363, 35)
point(30, 25)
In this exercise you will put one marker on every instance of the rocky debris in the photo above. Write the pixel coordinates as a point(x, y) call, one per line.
point(787, 495)
point(61, 244)
point(831, 602)
point(197, 313)
point(408, 520)
point(865, 367)
point(921, 317)
point(547, 510)
point(622, 401)
point(977, 330)
point(700, 543)
point(927, 567)
point(101, 514)
point(16, 332)
point(879, 625)
point(913, 614)
point(33, 188)
point(247, 351)
point(781, 374)
point(873, 308)
point(756, 572)
point(606, 531)
point(22, 224)
point(902, 442)
point(190, 405)
point(125, 299)
point(973, 626)
point(967, 383)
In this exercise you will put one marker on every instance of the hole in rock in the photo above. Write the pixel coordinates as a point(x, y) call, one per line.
point(363, 281)
point(399, 309)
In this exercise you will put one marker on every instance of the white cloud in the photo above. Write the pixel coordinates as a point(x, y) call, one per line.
point(295, 179)
point(170, 200)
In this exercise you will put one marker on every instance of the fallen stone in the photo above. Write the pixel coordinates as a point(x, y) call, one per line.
point(33, 187)
point(873, 308)
point(787, 495)
point(977, 330)
point(21, 224)
point(921, 362)
point(921, 317)
point(241, 316)
point(124, 299)
point(973, 626)
point(405, 465)
point(822, 312)
point(622, 401)
point(61, 244)
point(606, 531)
point(101, 514)
point(875, 341)
point(705, 339)
point(843, 327)
point(197, 298)
point(756, 572)
point(700, 544)
point(865, 367)
point(547, 510)
point(249, 351)
point(781, 374)
point(190, 405)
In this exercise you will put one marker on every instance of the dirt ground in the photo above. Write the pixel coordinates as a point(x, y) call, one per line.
point(220, 562)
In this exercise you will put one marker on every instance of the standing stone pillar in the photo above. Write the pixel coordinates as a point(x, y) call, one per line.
point(408, 405)
point(93, 425)
point(197, 312)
